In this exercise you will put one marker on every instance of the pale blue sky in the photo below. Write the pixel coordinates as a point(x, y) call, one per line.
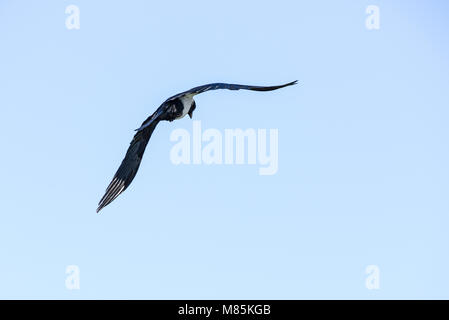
point(363, 154)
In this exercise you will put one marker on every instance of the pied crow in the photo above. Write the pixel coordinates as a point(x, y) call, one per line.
point(171, 109)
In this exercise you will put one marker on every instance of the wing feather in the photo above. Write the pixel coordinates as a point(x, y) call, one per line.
point(229, 86)
point(129, 166)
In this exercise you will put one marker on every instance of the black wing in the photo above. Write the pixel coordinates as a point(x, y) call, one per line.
point(229, 86)
point(208, 87)
point(130, 164)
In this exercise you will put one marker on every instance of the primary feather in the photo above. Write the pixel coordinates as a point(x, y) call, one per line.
point(129, 166)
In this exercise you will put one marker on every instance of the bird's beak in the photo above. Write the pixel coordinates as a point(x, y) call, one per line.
point(190, 115)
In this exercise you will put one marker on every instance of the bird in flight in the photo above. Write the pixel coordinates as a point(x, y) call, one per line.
point(175, 107)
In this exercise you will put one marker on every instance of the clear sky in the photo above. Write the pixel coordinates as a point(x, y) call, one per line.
point(362, 177)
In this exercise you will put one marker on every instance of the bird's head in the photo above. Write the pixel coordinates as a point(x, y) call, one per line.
point(192, 107)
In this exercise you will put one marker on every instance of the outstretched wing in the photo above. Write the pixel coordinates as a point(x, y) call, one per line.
point(130, 164)
point(229, 86)
point(208, 87)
